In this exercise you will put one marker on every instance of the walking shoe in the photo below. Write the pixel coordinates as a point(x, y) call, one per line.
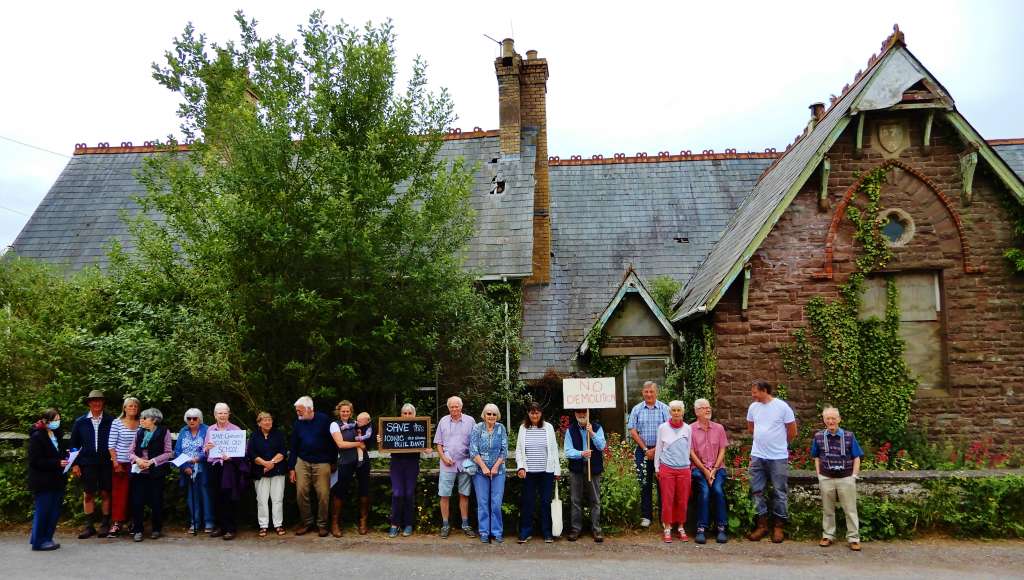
point(87, 532)
point(760, 531)
point(445, 530)
point(468, 530)
point(407, 531)
point(699, 537)
point(115, 530)
point(498, 540)
point(666, 536)
point(46, 547)
point(229, 536)
point(322, 532)
point(682, 535)
point(191, 531)
point(523, 540)
point(779, 531)
point(645, 523)
point(104, 527)
point(302, 530)
point(484, 540)
point(721, 538)
point(855, 546)
point(572, 536)
point(217, 532)
point(825, 542)
point(549, 540)
point(137, 536)
point(598, 537)
point(393, 532)
point(208, 531)
point(155, 535)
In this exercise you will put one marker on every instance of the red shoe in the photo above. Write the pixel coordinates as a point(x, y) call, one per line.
point(667, 536)
point(682, 535)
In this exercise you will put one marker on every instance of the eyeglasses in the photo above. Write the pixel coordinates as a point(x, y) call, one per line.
point(490, 414)
point(191, 418)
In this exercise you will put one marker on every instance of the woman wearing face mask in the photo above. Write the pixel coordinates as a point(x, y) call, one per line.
point(488, 448)
point(46, 478)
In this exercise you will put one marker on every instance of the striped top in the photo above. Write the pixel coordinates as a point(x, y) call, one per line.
point(122, 439)
point(536, 450)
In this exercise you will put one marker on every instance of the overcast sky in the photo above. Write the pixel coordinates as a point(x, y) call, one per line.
point(625, 77)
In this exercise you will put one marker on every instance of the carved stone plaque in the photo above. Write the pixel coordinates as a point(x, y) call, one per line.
point(893, 137)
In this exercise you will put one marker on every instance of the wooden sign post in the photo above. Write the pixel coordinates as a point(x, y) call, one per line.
point(594, 393)
point(402, 435)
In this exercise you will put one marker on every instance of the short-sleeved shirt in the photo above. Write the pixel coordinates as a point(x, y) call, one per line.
point(707, 443)
point(646, 419)
point(770, 420)
point(454, 435)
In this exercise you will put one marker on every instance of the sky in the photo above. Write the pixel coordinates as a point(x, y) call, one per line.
point(624, 78)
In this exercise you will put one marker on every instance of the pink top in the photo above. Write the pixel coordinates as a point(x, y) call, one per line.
point(159, 459)
point(211, 429)
point(708, 442)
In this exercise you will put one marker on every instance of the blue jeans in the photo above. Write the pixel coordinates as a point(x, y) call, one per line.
point(489, 493)
point(197, 497)
point(648, 481)
point(545, 484)
point(44, 520)
point(708, 495)
point(776, 470)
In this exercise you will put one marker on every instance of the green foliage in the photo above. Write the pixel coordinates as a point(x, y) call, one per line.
point(663, 290)
point(990, 507)
point(602, 366)
point(1015, 255)
point(858, 364)
point(694, 376)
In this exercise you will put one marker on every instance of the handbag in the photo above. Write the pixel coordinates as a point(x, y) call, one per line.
point(556, 514)
point(470, 467)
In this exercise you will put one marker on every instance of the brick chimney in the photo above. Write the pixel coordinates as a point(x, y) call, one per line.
point(522, 102)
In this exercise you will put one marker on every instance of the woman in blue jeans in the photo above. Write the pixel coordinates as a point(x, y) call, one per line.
point(488, 449)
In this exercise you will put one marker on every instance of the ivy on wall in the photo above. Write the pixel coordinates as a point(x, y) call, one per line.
point(858, 364)
point(599, 365)
point(694, 376)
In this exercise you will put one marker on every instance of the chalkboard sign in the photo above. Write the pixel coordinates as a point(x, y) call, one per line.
point(398, 435)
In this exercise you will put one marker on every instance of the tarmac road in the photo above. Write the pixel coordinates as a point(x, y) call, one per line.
point(373, 557)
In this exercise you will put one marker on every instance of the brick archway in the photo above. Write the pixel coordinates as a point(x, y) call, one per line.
point(837, 218)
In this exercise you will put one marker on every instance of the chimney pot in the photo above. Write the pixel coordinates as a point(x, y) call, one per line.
point(817, 111)
point(508, 48)
point(531, 55)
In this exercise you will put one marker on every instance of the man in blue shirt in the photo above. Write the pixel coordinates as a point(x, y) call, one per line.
point(578, 452)
point(837, 456)
point(313, 452)
point(643, 424)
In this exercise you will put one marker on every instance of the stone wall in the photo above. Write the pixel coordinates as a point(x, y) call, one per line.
point(982, 316)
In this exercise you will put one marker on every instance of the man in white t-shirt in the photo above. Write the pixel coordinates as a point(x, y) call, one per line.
point(773, 424)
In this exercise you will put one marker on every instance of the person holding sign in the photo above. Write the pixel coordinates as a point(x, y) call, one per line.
point(583, 438)
point(536, 463)
point(193, 472)
point(452, 440)
point(644, 420)
point(488, 449)
point(225, 476)
point(672, 464)
point(404, 469)
point(46, 479)
point(152, 450)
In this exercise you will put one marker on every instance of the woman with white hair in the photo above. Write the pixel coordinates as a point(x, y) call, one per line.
point(152, 451)
point(672, 464)
point(120, 444)
point(405, 468)
point(193, 474)
point(225, 477)
point(488, 449)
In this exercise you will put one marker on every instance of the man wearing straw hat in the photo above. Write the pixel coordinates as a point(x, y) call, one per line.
point(92, 467)
point(582, 440)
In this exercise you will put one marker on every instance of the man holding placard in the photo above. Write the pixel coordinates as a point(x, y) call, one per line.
point(584, 444)
point(644, 420)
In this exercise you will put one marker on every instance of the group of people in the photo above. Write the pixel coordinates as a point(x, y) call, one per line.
point(123, 462)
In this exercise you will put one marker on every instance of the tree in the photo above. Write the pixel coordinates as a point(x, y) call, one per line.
point(310, 227)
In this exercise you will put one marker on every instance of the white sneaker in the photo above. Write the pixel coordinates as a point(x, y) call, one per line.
point(645, 523)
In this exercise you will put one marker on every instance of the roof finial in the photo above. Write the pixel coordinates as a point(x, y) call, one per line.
point(893, 39)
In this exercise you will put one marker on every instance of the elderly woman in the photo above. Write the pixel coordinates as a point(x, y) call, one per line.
point(226, 476)
point(193, 474)
point(120, 445)
point(672, 464)
point(152, 450)
point(488, 449)
point(405, 468)
point(46, 479)
point(349, 468)
point(537, 463)
point(268, 452)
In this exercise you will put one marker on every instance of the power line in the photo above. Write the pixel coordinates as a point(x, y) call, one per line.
point(29, 145)
point(11, 209)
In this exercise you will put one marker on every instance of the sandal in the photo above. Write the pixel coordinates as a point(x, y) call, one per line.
point(263, 532)
point(280, 531)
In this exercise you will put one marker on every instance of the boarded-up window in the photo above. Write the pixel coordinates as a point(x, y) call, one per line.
point(920, 321)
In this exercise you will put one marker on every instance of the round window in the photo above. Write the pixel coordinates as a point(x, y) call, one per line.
point(896, 226)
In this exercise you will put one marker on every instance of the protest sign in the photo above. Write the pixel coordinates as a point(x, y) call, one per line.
point(400, 435)
point(230, 443)
point(592, 393)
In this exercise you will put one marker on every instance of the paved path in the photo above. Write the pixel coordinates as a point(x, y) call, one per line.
point(624, 558)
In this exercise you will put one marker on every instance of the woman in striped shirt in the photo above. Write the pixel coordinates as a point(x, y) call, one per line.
point(120, 444)
point(537, 463)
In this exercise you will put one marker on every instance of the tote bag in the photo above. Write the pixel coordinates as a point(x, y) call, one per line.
point(556, 514)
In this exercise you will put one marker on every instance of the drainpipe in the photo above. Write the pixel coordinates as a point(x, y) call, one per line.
point(508, 378)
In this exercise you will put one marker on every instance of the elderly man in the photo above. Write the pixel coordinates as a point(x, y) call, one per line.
point(707, 456)
point(644, 420)
point(837, 456)
point(312, 455)
point(581, 489)
point(90, 434)
point(773, 424)
point(452, 440)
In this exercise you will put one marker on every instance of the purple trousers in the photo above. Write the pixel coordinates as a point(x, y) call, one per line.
point(405, 468)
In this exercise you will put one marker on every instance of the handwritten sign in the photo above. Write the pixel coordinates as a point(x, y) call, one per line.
point(230, 443)
point(594, 393)
point(398, 435)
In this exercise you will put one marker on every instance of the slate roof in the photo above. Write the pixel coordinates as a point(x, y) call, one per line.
point(605, 217)
point(80, 215)
point(1013, 155)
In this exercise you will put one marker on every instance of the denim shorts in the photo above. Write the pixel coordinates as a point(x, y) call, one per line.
point(446, 481)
